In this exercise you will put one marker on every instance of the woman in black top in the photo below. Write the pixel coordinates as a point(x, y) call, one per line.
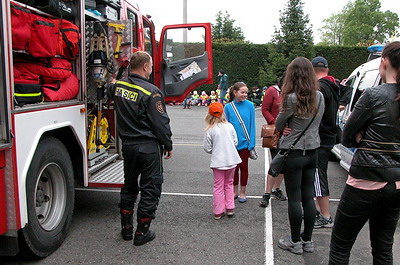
point(301, 101)
point(372, 192)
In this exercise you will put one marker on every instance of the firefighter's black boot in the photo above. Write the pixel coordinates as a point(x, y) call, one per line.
point(127, 224)
point(143, 234)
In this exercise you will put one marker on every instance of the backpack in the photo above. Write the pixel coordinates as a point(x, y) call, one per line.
point(44, 37)
point(58, 8)
point(68, 43)
point(20, 26)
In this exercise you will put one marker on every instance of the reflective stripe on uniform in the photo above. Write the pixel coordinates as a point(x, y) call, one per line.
point(28, 95)
point(135, 87)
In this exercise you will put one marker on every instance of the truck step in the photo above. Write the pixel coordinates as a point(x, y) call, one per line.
point(112, 176)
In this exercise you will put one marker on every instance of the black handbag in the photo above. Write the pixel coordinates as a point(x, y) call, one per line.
point(279, 161)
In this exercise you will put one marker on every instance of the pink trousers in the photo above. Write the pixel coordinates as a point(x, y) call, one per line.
point(223, 198)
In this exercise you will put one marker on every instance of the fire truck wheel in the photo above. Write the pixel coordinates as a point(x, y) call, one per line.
point(50, 199)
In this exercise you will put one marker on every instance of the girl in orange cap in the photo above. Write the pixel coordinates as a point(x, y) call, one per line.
point(220, 141)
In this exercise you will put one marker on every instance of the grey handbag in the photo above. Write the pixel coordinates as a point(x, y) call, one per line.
point(279, 160)
point(253, 153)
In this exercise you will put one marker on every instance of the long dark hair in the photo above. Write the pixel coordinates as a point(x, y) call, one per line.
point(392, 53)
point(300, 79)
point(234, 88)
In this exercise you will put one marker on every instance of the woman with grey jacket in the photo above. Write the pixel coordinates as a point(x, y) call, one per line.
point(301, 101)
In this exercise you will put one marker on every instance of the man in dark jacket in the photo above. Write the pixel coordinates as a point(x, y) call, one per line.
point(222, 85)
point(143, 126)
point(327, 133)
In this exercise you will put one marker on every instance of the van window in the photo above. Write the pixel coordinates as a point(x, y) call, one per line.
point(184, 43)
point(148, 45)
point(350, 81)
point(132, 16)
point(368, 79)
point(4, 135)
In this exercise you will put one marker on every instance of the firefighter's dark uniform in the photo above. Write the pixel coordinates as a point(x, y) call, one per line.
point(143, 125)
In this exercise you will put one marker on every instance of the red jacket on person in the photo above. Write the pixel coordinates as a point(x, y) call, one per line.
point(271, 104)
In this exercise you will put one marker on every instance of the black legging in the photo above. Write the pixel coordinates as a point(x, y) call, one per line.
point(299, 182)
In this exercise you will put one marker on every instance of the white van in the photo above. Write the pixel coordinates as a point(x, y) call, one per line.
point(363, 77)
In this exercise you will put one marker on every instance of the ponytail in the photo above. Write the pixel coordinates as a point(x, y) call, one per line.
point(234, 88)
point(392, 53)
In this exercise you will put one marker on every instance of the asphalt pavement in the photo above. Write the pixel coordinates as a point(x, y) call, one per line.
point(185, 229)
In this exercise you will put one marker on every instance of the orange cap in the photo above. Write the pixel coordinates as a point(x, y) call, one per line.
point(216, 109)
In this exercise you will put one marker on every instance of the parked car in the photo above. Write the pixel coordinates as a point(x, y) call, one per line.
point(363, 77)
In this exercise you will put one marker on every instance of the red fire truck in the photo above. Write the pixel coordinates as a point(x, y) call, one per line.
point(51, 147)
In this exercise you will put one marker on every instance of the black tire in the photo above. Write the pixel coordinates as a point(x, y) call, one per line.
point(50, 199)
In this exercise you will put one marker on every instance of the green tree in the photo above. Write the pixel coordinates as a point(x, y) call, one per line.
point(293, 38)
point(332, 30)
point(360, 23)
point(224, 29)
point(273, 67)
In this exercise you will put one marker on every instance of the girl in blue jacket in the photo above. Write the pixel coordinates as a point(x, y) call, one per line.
point(238, 99)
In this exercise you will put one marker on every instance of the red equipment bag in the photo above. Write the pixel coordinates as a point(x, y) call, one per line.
point(68, 45)
point(65, 90)
point(45, 34)
point(25, 77)
point(21, 19)
point(27, 88)
point(55, 69)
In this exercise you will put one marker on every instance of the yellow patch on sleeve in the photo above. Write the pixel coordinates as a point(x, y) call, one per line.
point(160, 107)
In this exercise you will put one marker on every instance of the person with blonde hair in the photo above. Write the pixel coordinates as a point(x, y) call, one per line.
point(220, 141)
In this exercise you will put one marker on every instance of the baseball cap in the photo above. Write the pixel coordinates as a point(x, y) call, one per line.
point(319, 61)
point(216, 109)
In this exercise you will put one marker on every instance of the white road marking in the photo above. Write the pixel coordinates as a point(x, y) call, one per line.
point(269, 243)
point(114, 190)
point(187, 144)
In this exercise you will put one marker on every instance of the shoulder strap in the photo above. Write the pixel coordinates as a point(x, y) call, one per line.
point(308, 126)
point(246, 133)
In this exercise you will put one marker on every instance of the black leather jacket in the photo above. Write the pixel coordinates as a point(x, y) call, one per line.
point(141, 113)
point(377, 115)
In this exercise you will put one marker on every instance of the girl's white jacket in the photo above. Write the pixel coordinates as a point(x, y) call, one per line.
point(220, 141)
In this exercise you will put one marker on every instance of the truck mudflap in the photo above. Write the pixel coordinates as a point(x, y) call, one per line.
point(9, 246)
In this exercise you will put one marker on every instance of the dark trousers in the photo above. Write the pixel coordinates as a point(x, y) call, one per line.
point(187, 103)
point(321, 177)
point(299, 178)
point(381, 208)
point(243, 167)
point(144, 160)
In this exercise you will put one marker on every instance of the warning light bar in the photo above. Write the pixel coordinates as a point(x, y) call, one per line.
point(376, 48)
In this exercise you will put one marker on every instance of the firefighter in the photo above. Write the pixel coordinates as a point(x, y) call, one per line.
point(143, 126)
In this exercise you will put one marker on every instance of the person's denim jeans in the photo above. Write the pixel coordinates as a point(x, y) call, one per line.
point(381, 208)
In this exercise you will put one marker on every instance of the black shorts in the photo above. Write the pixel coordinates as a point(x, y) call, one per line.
point(321, 188)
